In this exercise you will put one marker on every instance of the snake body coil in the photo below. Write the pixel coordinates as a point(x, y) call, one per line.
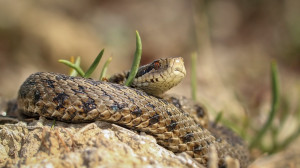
point(75, 99)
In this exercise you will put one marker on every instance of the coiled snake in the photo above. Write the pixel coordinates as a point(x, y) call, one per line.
point(75, 99)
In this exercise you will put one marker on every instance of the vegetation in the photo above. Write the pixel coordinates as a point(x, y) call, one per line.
point(76, 69)
point(255, 140)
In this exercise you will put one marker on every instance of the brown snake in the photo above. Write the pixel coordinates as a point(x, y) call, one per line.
point(75, 99)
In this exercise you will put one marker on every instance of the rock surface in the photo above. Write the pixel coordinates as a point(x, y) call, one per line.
point(40, 144)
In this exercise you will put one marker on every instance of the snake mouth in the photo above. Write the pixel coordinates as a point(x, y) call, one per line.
point(179, 70)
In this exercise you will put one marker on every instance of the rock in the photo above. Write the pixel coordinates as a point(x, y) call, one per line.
point(40, 144)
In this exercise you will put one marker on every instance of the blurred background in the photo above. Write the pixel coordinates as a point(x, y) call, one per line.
point(235, 40)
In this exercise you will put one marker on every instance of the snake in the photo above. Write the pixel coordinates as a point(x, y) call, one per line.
point(177, 123)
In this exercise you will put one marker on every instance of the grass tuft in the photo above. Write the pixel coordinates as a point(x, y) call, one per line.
point(104, 68)
point(94, 65)
point(136, 61)
point(274, 106)
point(73, 72)
point(76, 69)
point(73, 66)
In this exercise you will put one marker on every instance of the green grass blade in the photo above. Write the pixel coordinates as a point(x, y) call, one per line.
point(231, 125)
point(294, 135)
point(298, 112)
point(274, 106)
point(136, 61)
point(94, 64)
point(104, 68)
point(194, 76)
point(71, 65)
point(53, 124)
point(244, 129)
point(290, 139)
point(73, 71)
point(218, 117)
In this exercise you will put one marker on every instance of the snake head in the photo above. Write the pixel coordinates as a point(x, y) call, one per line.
point(160, 75)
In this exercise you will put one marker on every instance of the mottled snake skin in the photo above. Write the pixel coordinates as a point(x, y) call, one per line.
point(75, 99)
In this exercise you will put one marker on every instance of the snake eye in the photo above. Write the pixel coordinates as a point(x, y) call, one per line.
point(156, 65)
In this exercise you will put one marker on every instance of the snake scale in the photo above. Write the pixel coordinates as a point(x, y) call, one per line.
point(75, 100)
